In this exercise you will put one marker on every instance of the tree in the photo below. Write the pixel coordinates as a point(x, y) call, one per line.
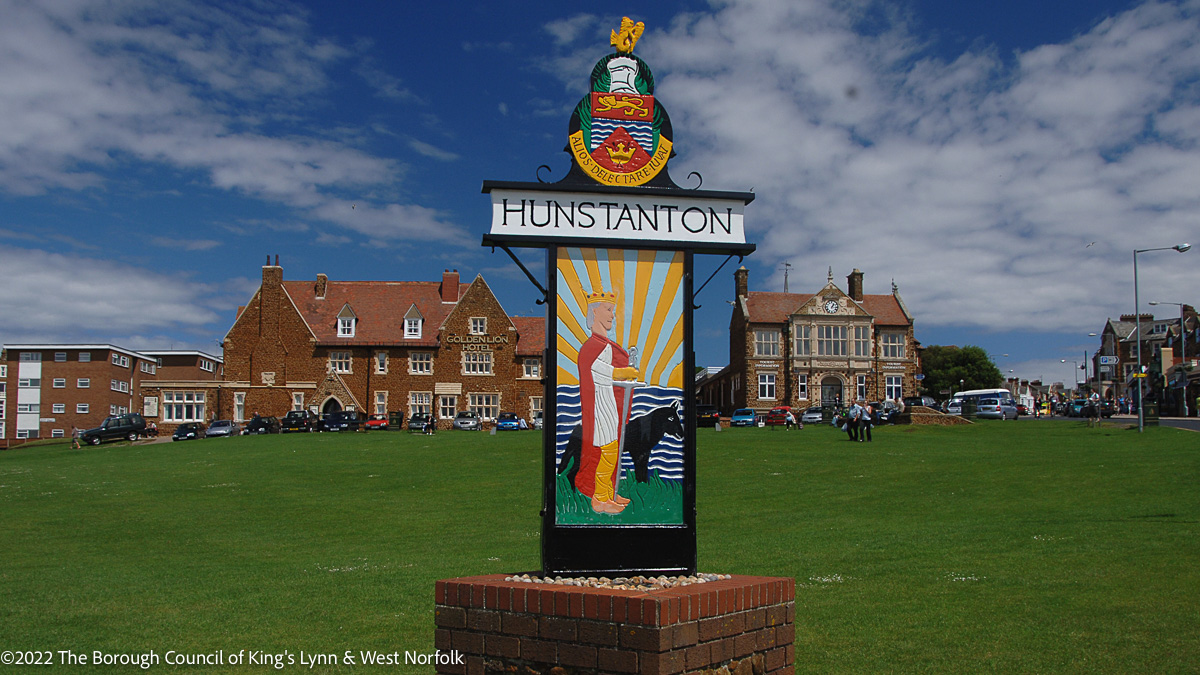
point(946, 367)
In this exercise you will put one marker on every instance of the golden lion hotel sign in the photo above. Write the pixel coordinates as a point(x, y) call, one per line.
point(619, 457)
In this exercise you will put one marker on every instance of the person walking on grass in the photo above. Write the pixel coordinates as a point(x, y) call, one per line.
point(853, 415)
point(864, 425)
point(75, 438)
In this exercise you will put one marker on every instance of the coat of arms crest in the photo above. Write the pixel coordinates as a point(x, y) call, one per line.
point(619, 134)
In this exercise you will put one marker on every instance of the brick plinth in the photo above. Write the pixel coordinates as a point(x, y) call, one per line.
point(744, 624)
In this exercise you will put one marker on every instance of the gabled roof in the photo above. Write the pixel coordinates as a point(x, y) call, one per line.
point(532, 335)
point(379, 305)
point(771, 307)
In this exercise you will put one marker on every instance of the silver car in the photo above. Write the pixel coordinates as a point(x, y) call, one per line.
point(224, 428)
point(811, 416)
point(997, 408)
point(467, 421)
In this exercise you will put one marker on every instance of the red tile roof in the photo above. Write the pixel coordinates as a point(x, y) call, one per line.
point(769, 307)
point(532, 335)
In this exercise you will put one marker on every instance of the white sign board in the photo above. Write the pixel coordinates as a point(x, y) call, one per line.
point(650, 218)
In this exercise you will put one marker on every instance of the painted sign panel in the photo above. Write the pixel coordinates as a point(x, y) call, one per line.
point(677, 219)
point(619, 432)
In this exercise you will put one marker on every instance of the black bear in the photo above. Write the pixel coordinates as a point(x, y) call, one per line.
point(642, 433)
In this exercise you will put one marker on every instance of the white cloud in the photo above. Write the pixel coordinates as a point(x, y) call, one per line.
point(85, 87)
point(81, 298)
point(975, 183)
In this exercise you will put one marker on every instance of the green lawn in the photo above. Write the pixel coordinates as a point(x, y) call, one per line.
point(1008, 547)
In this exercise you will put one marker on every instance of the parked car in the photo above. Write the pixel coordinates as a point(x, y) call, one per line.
point(467, 421)
point(538, 420)
point(344, 420)
point(508, 421)
point(1077, 408)
point(417, 422)
point(777, 416)
point(299, 420)
point(886, 412)
point(188, 431)
point(128, 426)
point(743, 417)
point(223, 428)
point(1022, 409)
point(927, 401)
point(261, 425)
point(997, 408)
point(812, 416)
point(377, 422)
point(707, 415)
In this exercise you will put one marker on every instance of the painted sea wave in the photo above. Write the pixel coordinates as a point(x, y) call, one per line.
point(642, 132)
point(666, 458)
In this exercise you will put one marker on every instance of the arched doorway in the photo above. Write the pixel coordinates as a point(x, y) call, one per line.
point(831, 391)
point(331, 406)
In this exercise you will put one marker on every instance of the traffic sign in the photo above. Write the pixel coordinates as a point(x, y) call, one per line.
point(1108, 360)
point(1139, 374)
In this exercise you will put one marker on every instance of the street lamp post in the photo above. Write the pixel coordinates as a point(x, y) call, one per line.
point(1137, 317)
point(1182, 344)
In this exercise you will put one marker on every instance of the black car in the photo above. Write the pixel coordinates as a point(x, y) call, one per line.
point(417, 422)
point(707, 416)
point(128, 426)
point(299, 420)
point(188, 431)
point(343, 420)
point(261, 425)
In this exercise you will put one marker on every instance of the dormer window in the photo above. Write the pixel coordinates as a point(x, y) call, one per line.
point(413, 321)
point(346, 321)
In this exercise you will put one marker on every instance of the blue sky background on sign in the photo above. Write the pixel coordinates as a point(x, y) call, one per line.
point(999, 161)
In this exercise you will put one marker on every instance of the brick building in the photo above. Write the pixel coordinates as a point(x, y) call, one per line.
point(188, 387)
point(803, 349)
point(46, 389)
point(380, 347)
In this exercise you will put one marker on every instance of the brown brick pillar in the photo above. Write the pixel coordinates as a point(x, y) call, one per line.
point(743, 623)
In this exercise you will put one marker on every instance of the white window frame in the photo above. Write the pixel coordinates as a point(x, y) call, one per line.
point(31, 357)
point(60, 357)
point(183, 406)
point(894, 387)
point(345, 328)
point(82, 408)
point(85, 357)
point(477, 363)
point(29, 383)
point(447, 406)
point(533, 368)
point(893, 345)
point(208, 366)
point(766, 343)
point(297, 400)
point(29, 407)
point(381, 363)
point(239, 406)
point(56, 433)
point(420, 363)
point(860, 386)
point(478, 325)
point(831, 339)
point(803, 340)
point(862, 341)
point(58, 408)
point(83, 383)
point(802, 387)
point(381, 407)
point(341, 362)
point(485, 405)
point(412, 329)
point(59, 383)
point(766, 386)
point(420, 402)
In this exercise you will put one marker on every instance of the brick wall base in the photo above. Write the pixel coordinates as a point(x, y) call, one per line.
point(737, 626)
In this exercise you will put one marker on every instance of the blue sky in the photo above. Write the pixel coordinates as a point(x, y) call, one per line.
point(153, 154)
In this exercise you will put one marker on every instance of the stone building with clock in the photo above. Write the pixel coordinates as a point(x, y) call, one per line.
point(380, 347)
point(825, 348)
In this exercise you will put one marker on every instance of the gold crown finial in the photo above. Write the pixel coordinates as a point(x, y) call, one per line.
point(627, 38)
point(601, 296)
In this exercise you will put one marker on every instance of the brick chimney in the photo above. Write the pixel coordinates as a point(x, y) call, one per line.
point(321, 286)
point(741, 283)
point(854, 285)
point(450, 286)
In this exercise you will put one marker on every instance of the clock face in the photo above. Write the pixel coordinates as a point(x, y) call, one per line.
point(831, 306)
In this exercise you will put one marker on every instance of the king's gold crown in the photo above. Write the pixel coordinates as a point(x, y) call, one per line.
point(601, 296)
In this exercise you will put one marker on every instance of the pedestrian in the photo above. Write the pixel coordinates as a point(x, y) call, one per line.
point(75, 437)
point(864, 426)
point(853, 414)
point(790, 419)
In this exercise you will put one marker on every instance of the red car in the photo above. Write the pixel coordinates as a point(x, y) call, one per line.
point(377, 422)
point(778, 416)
